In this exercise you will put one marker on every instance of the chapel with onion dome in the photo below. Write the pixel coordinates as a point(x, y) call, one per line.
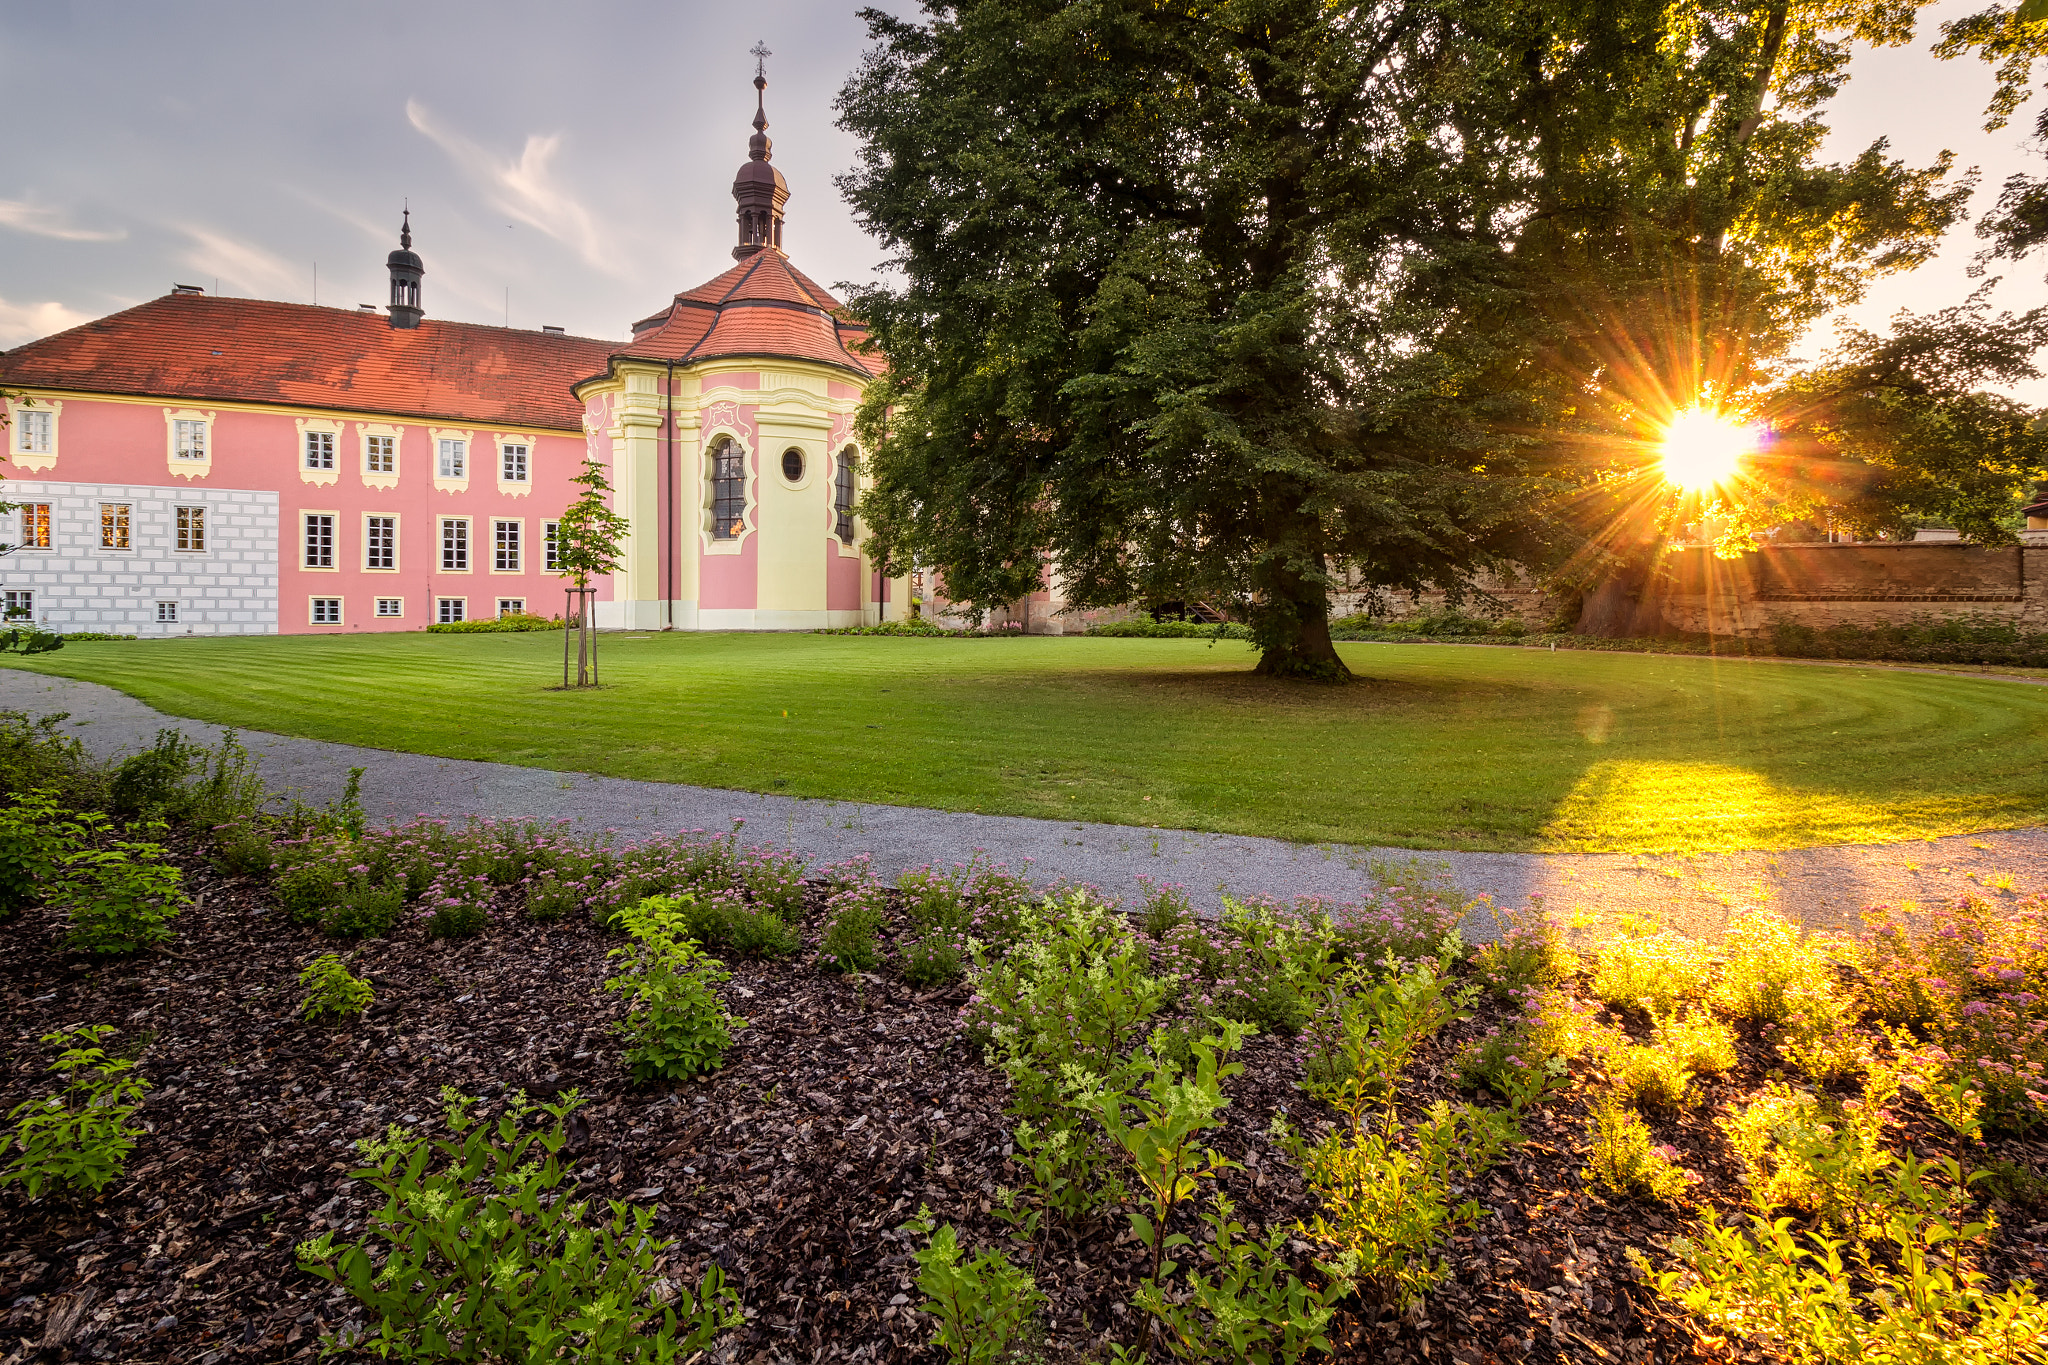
point(207, 465)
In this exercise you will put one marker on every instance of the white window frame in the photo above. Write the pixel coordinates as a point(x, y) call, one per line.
point(167, 613)
point(551, 546)
point(376, 461)
point(313, 606)
point(18, 599)
point(511, 606)
point(397, 605)
point(317, 446)
point(370, 537)
point(450, 551)
point(188, 523)
point(442, 617)
point(188, 442)
point(333, 529)
point(192, 440)
point(123, 526)
point(34, 516)
point(515, 462)
point(451, 458)
point(35, 431)
point(499, 547)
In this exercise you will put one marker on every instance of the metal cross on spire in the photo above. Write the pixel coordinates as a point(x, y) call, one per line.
point(761, 54)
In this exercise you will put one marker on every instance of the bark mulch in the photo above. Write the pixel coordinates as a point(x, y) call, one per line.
point(845, 1104)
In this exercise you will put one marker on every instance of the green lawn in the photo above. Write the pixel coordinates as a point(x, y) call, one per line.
point(1436, 747)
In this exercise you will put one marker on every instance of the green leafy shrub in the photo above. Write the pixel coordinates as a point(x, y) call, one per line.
point(1169, 630)
point(676, 1026)
point(80, 1137)
point(511, 621)
point(1386, 1208)
point(1512, 1061)
point(35, 836)
point(979, 1308)
point(1646, 970)
point(36, 756)
point(1260, 964)
point(121, 897)
point(1621, 1159)
point(1814, 1152)
point(457, 917)
point(151, 784)
point(332, 992)
point(481, 1255)
point(29, 639)
point(854, 915)
point(1059, 1014)
point(1243, 1301)
point(1443, 623)
point(1906, 1287)
point(1385, 1205)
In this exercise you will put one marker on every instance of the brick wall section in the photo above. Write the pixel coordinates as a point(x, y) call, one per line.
point(1862, 585)
point(229, 588)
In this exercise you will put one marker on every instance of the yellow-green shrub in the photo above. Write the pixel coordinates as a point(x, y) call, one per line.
point(1697, 1042)
point(1622, 1159)
point(1647, 1077)
point(1771, 968)
point(1652, 971)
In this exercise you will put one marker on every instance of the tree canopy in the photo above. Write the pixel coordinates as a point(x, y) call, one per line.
point(1221, 298)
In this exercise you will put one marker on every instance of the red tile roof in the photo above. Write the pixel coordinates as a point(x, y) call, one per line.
point(764, 306)
point(199, 347)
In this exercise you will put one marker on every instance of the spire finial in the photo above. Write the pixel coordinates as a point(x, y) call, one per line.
point(759, 148)
point(405, 229)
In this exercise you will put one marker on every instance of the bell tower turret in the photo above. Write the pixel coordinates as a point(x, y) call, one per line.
point(406, 269)
point(759, 188)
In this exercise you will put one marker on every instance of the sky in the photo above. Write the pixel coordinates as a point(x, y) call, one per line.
point(566, 164)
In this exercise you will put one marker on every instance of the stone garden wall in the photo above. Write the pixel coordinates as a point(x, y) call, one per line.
point(1859, 585)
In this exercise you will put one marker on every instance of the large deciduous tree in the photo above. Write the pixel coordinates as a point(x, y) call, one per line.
point(1222, 298)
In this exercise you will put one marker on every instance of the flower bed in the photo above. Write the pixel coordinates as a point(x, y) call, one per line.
point(958, 1108)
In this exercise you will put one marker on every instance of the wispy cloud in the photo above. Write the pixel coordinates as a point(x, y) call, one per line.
point(21, 322)
point(40, 220)
point(525, 188)
point(246, 266)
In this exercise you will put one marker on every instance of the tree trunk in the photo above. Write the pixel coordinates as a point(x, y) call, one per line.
point(1626, 605)
point(1292, 626)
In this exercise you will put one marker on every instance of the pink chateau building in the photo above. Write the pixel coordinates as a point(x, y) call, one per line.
point(220, 466)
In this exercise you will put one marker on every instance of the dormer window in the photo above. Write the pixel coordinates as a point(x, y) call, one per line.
point(189, 439)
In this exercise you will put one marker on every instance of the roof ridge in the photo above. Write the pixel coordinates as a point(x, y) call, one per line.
point(752, 266)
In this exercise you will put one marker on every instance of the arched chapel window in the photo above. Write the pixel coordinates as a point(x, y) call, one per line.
point(728, 489)
point(842, 497)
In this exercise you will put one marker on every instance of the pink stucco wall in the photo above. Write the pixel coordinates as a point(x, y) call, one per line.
point(126, 443)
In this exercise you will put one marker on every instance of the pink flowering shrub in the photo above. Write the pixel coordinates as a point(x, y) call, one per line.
point(1402, 922)
point(1974, 984)
point(1531, 953)
point(945, 912)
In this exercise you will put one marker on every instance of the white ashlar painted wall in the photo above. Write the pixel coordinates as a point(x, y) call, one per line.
point(228, 588)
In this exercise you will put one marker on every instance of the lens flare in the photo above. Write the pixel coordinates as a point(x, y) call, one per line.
point(1702, 449)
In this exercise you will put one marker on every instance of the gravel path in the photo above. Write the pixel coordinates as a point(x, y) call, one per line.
point(1823, 887)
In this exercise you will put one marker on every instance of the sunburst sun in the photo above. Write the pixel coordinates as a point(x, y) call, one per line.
point(1703, 449)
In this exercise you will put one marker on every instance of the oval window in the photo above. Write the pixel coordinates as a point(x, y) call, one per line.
point(793, 465)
